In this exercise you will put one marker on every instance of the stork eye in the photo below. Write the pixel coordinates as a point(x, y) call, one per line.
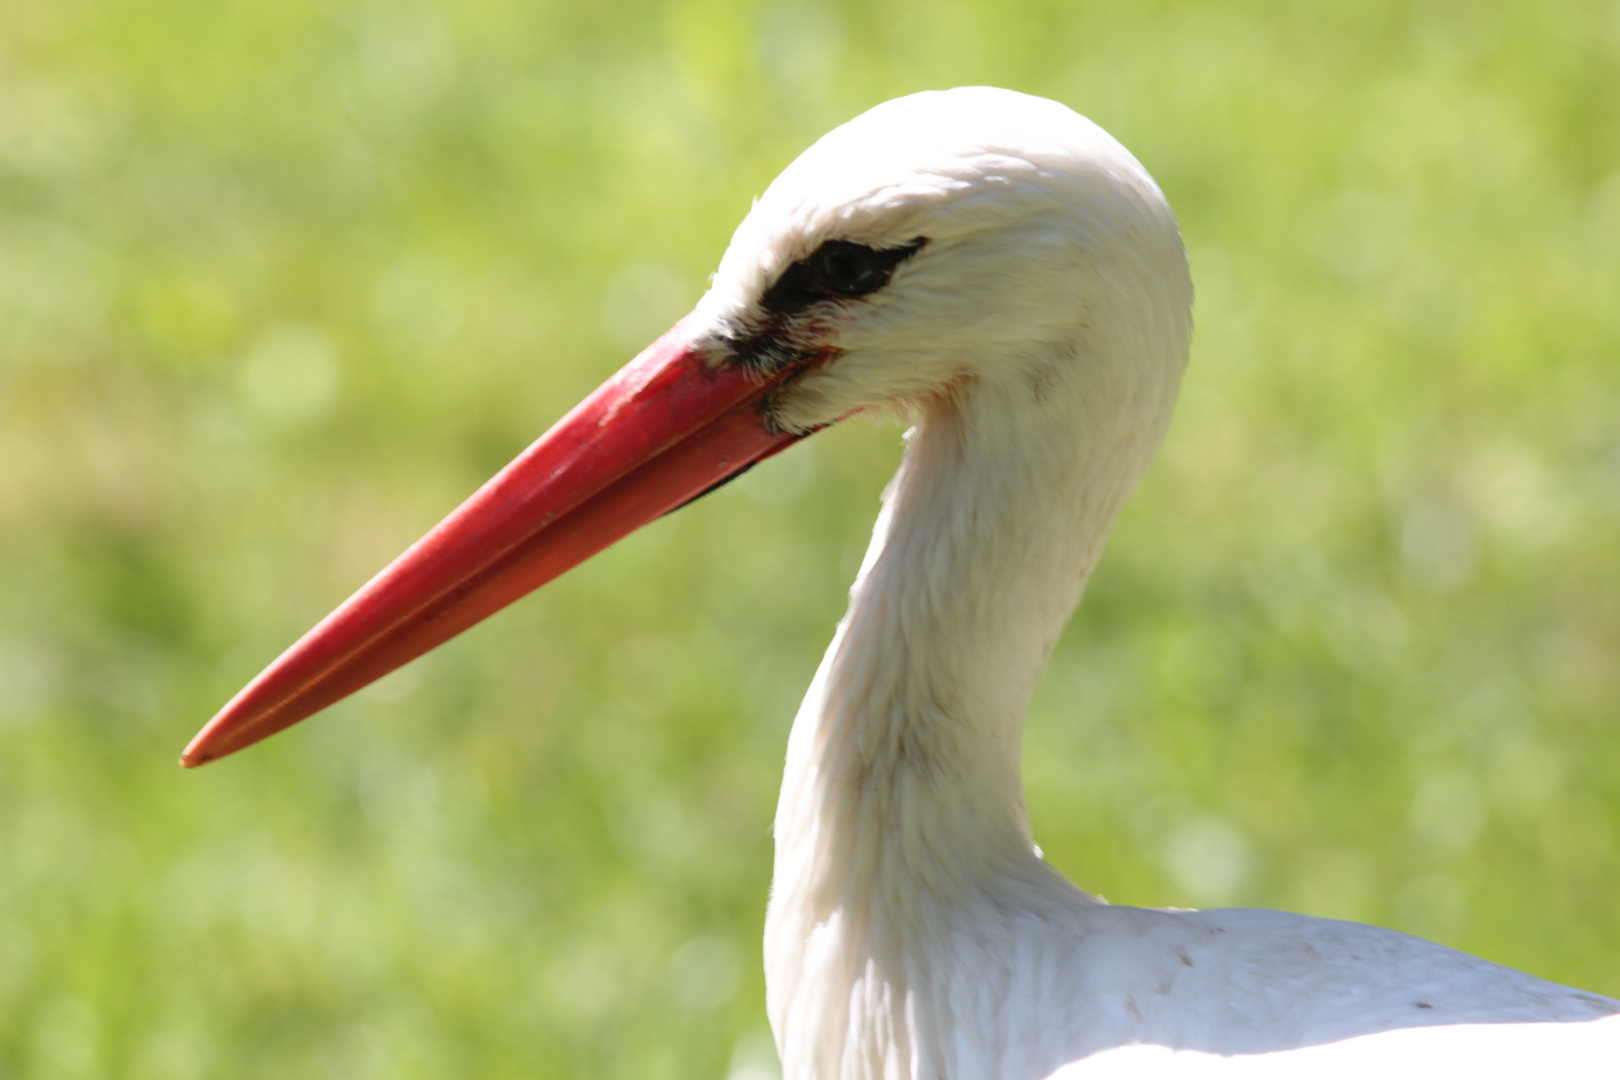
point(838, 268)
point(849, 269)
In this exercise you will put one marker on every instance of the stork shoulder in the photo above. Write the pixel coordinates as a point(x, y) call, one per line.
point(1249, 981)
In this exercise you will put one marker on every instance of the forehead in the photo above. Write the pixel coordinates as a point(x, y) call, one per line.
point(935, 164)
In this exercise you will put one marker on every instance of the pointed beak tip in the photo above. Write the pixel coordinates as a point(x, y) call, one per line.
point(208, 745)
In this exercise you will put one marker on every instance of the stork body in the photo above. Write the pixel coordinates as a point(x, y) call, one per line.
point(1008, 274)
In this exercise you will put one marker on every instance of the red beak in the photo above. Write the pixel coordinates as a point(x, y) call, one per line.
point(668, 427)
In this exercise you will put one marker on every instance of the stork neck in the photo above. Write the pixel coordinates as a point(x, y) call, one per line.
point(902, 810)
point(912, 730)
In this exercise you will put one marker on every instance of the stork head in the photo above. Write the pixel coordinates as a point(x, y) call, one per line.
point(938, 244)
point(945, 237)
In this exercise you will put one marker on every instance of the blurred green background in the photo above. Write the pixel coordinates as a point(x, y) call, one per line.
point(281, 281)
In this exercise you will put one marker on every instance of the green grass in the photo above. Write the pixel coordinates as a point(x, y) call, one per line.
point(280, 282)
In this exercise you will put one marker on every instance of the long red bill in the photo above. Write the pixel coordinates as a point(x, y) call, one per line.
point(662, 431)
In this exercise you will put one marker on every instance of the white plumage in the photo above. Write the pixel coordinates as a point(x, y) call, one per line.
point(1038, 336)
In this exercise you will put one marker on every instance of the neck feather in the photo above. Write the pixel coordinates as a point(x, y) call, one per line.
point(902, 798)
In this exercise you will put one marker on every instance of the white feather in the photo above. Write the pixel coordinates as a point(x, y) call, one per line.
point(1039, 338)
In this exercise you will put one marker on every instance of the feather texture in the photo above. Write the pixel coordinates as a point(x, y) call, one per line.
point(1038, 336)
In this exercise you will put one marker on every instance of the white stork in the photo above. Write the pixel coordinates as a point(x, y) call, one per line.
point(1004, 271)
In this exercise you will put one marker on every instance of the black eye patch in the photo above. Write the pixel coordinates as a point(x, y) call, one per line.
point(837, 269)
